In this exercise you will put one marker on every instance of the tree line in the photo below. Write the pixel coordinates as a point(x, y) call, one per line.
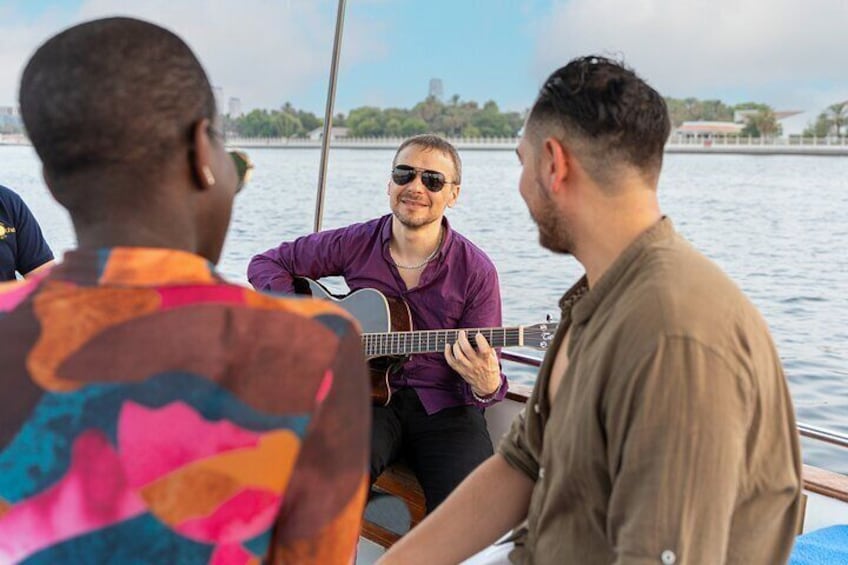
point(454, 118)
point(458, 118)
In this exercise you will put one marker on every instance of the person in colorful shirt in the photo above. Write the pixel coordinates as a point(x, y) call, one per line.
point(149, 410)
point(22, 246)
point(435, 414)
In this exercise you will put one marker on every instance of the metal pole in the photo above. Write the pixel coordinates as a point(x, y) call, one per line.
point(821, 434)
point(328, 116)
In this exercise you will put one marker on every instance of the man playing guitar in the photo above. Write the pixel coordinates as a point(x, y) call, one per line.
point(435, 416)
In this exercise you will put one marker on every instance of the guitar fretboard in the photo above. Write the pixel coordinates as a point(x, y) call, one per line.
point(432, 341)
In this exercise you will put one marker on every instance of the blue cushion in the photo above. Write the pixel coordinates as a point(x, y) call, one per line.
point(821, 547)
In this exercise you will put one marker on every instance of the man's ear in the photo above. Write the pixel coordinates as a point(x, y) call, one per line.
point(454, 195)
point(201, 155)
point(556, 162)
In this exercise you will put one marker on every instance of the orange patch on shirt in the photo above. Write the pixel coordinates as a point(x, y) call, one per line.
point(188, 493)
point(197, 489)
point(162, 267)
point(70, 316)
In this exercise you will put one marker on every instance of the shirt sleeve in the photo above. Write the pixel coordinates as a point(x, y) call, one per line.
point(483, 310)
point(32, 249)
point(324, 500)
point(515, 448)
point(316, 255)
point(676, 428)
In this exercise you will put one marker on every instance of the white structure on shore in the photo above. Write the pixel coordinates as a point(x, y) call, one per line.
point(436, 90)
point(335, 133)
point(234, 107)
point(711, 129)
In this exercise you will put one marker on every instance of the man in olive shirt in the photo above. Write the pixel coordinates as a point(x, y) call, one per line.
point(661, 429)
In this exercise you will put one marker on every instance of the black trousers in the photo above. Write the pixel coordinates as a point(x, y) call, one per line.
point(441, 448)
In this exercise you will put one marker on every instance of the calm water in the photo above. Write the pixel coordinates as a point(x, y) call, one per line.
point(777, 225)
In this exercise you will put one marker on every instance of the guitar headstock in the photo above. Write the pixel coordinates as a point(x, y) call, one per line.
point(539, 336)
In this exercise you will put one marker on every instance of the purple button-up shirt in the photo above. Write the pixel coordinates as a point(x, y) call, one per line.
point(458, 289)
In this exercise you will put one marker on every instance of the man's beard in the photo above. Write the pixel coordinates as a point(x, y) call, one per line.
point(553, 233)
point(412, 221)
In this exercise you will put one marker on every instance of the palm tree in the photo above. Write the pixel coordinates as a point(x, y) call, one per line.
point(763, 124)
point(838, 115)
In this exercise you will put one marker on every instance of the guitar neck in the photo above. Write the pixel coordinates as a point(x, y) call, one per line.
point(433, 341)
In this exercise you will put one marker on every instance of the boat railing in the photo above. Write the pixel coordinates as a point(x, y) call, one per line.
point(806, 430)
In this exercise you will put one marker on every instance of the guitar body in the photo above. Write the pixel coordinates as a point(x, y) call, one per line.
point(388, 337)
point(376, 313)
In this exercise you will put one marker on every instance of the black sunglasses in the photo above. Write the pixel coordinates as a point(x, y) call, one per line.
point(244, 168)
point(434, 181)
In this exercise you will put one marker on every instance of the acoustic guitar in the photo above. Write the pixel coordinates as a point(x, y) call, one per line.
point(388, 337)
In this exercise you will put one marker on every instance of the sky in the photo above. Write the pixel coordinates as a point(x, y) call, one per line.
point(789, 54)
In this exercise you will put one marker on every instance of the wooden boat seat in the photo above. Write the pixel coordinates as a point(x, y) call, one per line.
point(399, 481)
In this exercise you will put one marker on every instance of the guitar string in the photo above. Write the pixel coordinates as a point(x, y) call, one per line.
point(413, 342)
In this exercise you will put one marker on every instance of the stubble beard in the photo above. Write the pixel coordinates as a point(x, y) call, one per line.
point(409, 220)
point(553, 233)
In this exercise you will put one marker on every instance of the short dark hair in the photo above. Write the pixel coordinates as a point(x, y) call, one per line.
point(111, 100)
point(609, 114)
point(432, 142)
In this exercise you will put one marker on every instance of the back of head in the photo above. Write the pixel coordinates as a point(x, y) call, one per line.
point(432, 142)
point(107, 105)
point(606, 114)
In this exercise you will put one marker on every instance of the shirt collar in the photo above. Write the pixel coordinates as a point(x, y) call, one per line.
point(135, 266)
point(580, 302)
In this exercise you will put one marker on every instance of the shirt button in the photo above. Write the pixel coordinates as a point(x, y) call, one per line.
point(541, 472)
point(668, 557)
point(536, 408)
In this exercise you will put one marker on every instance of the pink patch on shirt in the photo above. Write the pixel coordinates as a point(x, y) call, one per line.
point(13, 293)
point(156, 441)
point(92, 495)
point(230, 554)
point(176, 296)
point(244, 516)
point(326, 386)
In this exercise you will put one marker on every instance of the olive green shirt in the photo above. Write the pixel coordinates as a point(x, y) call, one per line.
point(672, 436)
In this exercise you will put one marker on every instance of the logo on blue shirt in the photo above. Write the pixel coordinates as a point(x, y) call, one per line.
point(5, 230)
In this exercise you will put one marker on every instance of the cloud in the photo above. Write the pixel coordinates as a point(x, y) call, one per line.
point(783, 52)
point(261, 51)
point(18, 40)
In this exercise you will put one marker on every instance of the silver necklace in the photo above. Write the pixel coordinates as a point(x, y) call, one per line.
point(426, 260)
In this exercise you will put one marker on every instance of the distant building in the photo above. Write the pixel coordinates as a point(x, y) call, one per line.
point(335, 133)
point(437, 91)
point(10, 120)
point(708, 129)
point(234, 107)
point(742, 116)
point(218, 92)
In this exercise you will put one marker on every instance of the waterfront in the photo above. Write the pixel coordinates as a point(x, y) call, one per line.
point(775, 224)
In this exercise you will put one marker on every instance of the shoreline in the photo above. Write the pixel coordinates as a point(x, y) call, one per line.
point(718, 146)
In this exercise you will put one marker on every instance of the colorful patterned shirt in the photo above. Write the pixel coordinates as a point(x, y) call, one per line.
point(152, 412)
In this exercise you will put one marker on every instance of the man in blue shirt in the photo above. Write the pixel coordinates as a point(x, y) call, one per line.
point(22, 246)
